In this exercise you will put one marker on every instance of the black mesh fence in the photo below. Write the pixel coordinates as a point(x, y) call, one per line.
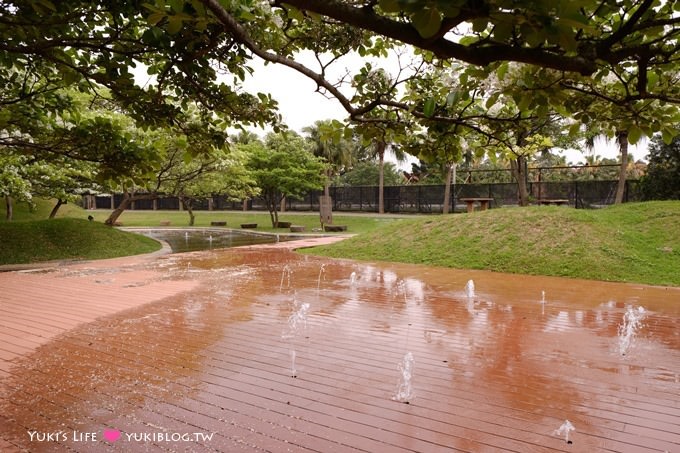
point(411, 199)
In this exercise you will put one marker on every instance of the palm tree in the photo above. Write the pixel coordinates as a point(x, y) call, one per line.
point(379, 150)
point(339, 154)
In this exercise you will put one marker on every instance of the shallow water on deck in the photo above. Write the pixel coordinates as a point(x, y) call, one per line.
point(497, 372)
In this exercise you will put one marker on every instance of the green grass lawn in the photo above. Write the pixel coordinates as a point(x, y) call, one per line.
point(635, 242)
point(67, 238)
point(234, 219)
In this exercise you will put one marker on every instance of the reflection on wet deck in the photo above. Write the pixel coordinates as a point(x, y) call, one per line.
point(226, 356)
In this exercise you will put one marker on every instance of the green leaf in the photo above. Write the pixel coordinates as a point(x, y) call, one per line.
point(502, 70)
point(427, 21)
point(502, 31)
point(479, 25)
point(574, 129)
point(390, 6)
point(451, 98)
point(176, 5)
point(174, 25)
point(155, 18)
point(668, 135)
point(634, 134)
point(492, 100)
point(428, 109)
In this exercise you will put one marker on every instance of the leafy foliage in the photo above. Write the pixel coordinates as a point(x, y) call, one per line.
point(283, 166)
point(662, 181)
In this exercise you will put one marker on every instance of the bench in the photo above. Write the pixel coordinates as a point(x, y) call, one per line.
point(248, 225)
point(297, 228)
point(218, 223)
point(334, 228)
point(165, 223)
point(483, 203)
point(283, 224)
point(553, 201)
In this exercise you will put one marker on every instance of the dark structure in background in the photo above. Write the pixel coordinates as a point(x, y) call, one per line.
point(410, 198)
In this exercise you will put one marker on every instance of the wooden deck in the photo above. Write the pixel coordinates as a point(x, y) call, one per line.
point(168, 351)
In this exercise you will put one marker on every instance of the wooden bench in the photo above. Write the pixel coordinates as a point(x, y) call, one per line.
point(297, 228)
point(553, 201)
point(248, 225)
point(334, 228)
point(218, 223)
point(165, 223)
point(283, 224)
point(483, 203)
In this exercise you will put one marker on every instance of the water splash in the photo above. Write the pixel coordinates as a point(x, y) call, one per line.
point(285, 277)
point(297, 321)
point(405, 388)
point(632, 322)
point(353, 278)
point(564, 430)
point(542, 302)
point(322, 271)
point(296, 325)
point(470, 289)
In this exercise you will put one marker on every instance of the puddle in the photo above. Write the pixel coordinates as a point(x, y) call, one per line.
point(289, 351)
point(192, 240)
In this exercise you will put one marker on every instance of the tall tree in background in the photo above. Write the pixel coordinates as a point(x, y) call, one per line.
point(283, 166)
point(662, 181)
point(337, 152)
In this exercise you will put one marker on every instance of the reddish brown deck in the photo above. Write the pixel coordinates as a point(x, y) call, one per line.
point(193, 345)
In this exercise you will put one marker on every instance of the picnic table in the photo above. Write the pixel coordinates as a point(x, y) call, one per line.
point(483, 203)
point(553, 201)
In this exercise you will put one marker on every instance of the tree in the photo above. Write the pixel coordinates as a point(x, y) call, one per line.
point(283, 166)
point(572, 36)
point(662, 181)
point(221, 172)
point(188, 47)
point(332, 147)
point(367, 173)
point(13, 186)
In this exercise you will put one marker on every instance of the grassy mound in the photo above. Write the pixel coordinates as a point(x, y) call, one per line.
point(66, 238)
point(635, 242)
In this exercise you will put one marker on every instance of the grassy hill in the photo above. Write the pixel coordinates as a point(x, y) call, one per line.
point(69, 236)
point(635, 242)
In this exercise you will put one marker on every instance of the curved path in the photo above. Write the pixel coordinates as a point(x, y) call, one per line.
point(261, 349)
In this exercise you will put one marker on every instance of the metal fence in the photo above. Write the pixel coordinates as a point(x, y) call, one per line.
point(410, 199)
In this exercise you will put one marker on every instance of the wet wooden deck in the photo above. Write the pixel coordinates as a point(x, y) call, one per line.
point(167, 352)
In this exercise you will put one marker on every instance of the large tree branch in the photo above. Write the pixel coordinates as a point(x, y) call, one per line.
point(367, 19)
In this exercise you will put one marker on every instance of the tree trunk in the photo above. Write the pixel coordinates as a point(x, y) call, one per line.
point(272, 205)
point(518, 167)
point(381, 176)
point(327, 185)
point(56, 208)
point(188, 205)
point(124, 203)
point(622, 139)
point(447, 189)
point(10, 211)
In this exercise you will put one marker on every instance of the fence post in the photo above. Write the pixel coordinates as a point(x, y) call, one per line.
point(576, 194)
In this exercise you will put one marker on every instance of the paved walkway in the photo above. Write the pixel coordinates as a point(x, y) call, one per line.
point(261, 349)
